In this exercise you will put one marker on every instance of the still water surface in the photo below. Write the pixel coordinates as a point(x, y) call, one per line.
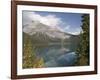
point(57, 55)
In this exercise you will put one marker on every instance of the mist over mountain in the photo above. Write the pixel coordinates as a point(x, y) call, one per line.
point(41, 33)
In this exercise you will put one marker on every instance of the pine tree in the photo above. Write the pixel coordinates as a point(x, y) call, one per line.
point(83, 49)
point(30, 59)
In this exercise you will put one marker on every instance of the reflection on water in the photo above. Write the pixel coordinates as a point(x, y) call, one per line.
point(57, 55)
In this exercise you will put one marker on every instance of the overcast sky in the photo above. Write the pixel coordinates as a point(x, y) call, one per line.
point(67, 22)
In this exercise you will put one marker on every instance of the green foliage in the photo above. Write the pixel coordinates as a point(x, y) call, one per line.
point(39, 63)
point(30, 60)
point(83, 49)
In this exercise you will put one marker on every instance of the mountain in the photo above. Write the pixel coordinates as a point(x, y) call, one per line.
point(41, 33)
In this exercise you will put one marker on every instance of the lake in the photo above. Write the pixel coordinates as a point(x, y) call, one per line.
point(56, 55)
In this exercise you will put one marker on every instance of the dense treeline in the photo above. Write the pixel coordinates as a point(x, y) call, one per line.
point(83, 48)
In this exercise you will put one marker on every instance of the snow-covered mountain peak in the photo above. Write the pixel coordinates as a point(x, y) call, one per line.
point(37, 28)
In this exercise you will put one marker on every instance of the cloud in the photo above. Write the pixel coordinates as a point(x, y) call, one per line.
point(51, 20)
point(67, 27)
point(75, 31)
